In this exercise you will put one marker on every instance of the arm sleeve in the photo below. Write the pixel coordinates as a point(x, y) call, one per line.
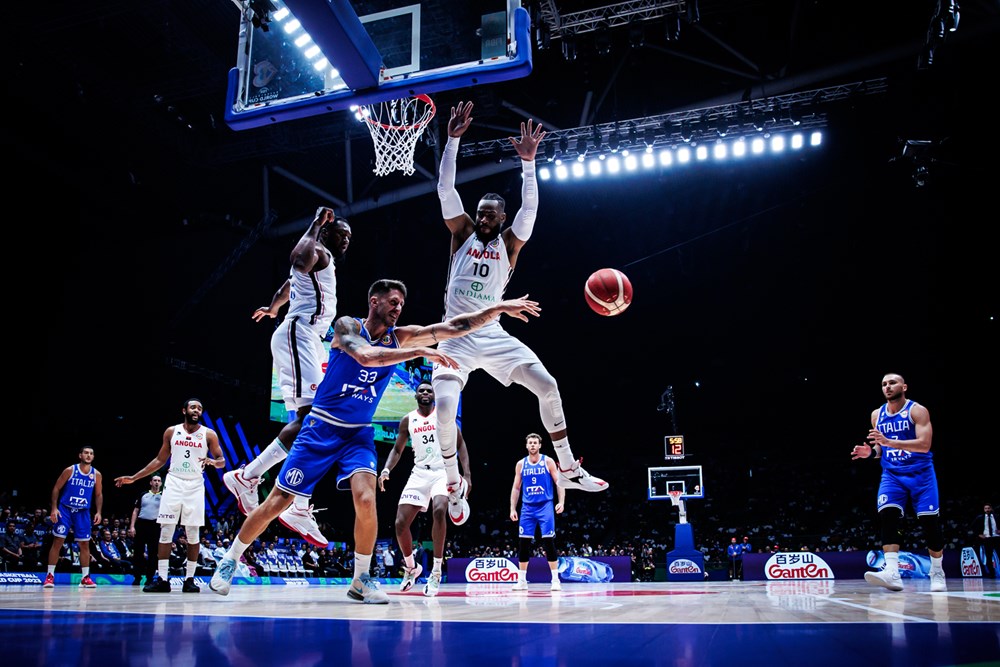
point(524, 221)
point(451, 203)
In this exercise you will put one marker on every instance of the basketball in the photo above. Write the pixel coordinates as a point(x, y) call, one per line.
point(608, 292)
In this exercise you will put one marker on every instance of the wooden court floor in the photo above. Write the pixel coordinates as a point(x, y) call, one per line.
point(811, 623)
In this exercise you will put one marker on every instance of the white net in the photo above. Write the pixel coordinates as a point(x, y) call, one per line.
point(395, 126)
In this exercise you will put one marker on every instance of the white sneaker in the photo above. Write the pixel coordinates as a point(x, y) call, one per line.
point(303, 523)
point(410, 577)
point(556, 586)
point(365, 589)
point(575, 477)
point(244, 489)
point(521, 585)
point(886, 580)
point(222, 580)
point(938, 583)
point(433, 585)
point(458, 506)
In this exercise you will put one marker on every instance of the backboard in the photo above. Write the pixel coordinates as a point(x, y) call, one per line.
point(686, 478)
point(300, 58)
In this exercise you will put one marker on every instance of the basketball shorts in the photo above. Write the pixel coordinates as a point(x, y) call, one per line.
point(183, 502)
point(76, 520)
point(492, 350)
point(542, 517)
point(919, 489)
point(321, 446)
point(423, 485)
point(299, 357)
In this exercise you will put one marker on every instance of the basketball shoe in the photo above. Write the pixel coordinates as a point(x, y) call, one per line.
point(50, 581)
point(190, 586)
point(410, 576)
point(303, 523)
point(458, 506)
point(244, 489)
point(556, 586)
point(222, 580)
point(885, 579)
point(365, 589)
point(87, 582)
point(575, 477)
point(521, 585)
point(157, 585)
point(433, 585)
point(938, 584)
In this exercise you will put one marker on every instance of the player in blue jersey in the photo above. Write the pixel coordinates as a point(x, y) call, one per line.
point(901, 437)
point(338, 432)
point(534, 478)
point(77, 490)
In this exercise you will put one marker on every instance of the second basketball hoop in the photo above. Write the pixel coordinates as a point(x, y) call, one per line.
point(395, 126)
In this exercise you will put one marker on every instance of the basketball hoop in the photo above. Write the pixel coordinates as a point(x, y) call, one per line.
point(395, 126)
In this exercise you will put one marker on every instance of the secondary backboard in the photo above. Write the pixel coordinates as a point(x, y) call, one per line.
point(686, 479)
point(300, 58)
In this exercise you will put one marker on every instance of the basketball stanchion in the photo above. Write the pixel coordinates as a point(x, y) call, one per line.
point(395, 126)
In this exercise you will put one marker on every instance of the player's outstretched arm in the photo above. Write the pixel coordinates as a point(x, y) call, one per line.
point(466, 323)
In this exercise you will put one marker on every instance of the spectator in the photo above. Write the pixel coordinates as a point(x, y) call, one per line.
point(735, 555)
point(10, 549)
point(985, 528)
point(116, 561)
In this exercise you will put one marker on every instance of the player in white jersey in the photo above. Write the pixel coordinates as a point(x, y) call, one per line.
point(483, 257)
point(189, 447)
point(299, 356)
point(426, 485)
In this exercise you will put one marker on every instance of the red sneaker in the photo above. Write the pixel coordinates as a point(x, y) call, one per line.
point(87, 582)
point(50, 581)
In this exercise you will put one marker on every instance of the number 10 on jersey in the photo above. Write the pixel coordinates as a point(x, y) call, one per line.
point(673, 446)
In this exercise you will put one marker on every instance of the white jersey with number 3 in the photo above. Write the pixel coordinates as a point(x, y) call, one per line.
point(423, 440)
point(187, 450)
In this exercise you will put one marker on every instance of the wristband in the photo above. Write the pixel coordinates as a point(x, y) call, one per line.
point(385, 471)
point(873, 456)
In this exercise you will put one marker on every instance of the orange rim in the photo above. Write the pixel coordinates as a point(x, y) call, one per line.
point(402, 128)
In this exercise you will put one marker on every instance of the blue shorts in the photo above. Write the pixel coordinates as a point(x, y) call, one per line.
point(77, 520)
point(920, 489)
point(321, 446)
point(537, 516)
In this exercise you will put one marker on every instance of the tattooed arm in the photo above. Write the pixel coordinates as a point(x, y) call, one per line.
point(466, 323)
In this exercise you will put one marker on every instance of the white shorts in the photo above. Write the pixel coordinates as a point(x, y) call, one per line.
point(423, 485)
point(183, 502)
point(493, 350)
point(298, 355)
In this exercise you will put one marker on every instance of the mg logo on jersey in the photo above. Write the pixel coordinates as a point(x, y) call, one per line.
point(294, 477)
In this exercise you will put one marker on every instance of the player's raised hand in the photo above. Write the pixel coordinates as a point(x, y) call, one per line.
point(461, 118)
point(527, 145)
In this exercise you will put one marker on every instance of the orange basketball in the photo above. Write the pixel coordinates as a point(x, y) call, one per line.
point(608, 292)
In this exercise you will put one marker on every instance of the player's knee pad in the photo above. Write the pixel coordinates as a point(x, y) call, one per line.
point(193, 534)
point(167, 533)
point(523, 550)
point(549, 544)
point(891, 519)
point(931, 523)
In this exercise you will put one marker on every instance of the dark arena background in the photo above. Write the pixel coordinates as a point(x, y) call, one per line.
point(772, 291)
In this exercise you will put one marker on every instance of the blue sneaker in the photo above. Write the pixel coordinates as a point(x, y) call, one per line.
point(223, 577)
point(365, 589)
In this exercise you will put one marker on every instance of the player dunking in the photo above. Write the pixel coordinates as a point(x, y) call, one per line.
point(483, 256)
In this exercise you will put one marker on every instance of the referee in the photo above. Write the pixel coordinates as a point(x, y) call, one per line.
point(145, 532)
